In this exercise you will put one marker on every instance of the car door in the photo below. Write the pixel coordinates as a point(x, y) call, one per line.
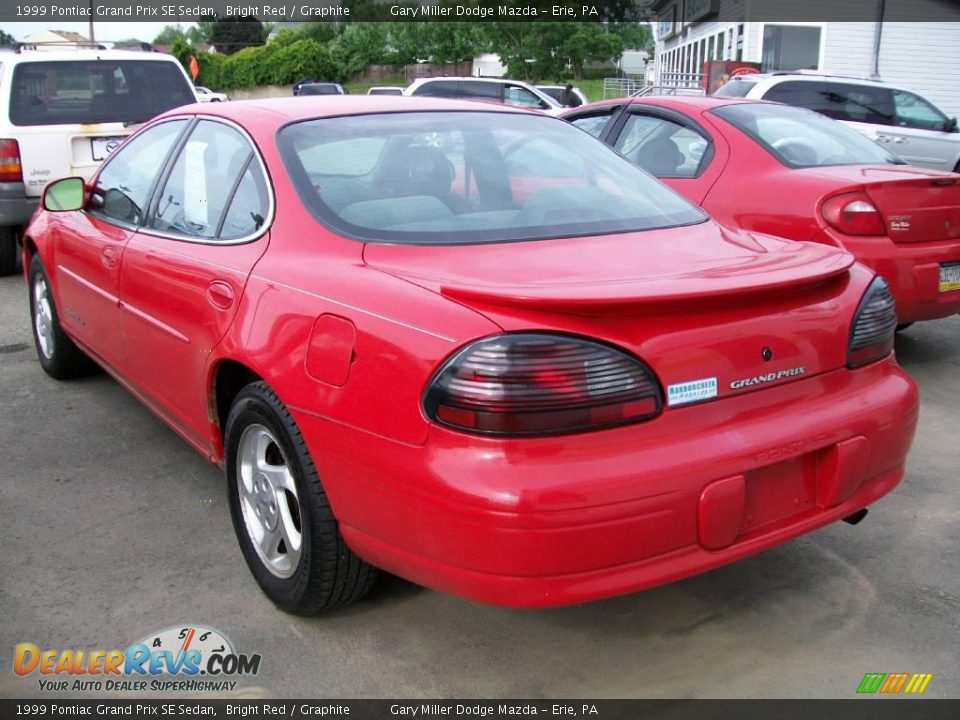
point(89, 245)
point(670, 146)
point(919, 134)
point(185, 270)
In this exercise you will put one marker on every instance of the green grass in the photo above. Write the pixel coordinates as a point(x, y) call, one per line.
point(360, 88)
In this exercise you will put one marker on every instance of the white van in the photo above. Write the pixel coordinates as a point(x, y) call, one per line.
point(62, 112)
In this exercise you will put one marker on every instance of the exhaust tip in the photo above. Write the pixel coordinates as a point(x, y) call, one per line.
point(856, 517)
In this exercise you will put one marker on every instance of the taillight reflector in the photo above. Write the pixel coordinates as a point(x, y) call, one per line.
point(540, 383)
point(10, 169)
point(874, 325)
point(853, 214)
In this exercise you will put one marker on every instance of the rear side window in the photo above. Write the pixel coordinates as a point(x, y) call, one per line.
point(70, 92)
point(840, 101)
point(441, 88)
point(491, 91)
point(202, 180)
point(662, 147)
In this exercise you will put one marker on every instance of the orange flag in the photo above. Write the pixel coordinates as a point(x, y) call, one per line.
point(194, 67)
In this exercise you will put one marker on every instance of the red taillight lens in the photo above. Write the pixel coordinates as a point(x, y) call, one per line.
point(853, 214)
point(539, 383)
point(874, 325)
point(10, 170)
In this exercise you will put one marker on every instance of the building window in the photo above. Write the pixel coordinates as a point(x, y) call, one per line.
point(790, 47)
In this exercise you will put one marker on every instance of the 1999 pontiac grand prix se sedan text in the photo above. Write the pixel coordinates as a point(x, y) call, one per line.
point(469, 345)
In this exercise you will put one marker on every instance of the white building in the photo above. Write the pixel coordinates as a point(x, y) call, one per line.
point(55, 40)
point(923, 56)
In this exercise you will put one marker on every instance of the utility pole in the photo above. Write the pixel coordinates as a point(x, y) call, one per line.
point(92, 38)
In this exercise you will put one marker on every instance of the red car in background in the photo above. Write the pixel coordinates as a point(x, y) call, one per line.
point(800, 175)
point(408, 353)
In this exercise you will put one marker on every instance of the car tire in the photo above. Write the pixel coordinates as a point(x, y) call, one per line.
point(59, 356)
point(277, 500)
point(903, 326)
point(8, 251)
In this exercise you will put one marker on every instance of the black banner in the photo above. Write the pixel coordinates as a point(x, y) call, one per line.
point(186, 11)
point(872, 709)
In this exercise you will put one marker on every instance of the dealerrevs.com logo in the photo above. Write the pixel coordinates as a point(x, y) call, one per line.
point(186, 658)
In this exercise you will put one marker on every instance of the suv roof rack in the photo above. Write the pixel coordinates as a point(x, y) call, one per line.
point(819, 73)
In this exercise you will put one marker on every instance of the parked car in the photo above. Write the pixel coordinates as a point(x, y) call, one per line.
point(556, 92)
point(385, 90)
point(63, 111)
point(495, 90)
point(799, 175)
point(321, 88)
point(208, 95)
point(495, 365)
point(905, 123)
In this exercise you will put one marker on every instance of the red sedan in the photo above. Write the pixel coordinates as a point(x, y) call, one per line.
point(799, 175)
point(469, 345)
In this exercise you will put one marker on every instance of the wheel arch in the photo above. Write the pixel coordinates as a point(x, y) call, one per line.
point(227, 378)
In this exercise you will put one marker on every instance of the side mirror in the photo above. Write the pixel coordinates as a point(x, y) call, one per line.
point(950, 125)
point(64, 195)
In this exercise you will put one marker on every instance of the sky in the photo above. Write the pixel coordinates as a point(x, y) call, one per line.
point(145, 31)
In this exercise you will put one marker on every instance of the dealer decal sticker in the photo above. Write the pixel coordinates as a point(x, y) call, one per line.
point(691, 391)
point(186, 658)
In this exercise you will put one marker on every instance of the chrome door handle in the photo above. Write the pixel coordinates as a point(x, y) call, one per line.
point(883, 138)
point(901, 140)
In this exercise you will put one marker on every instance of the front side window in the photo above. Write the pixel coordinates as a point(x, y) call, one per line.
point(662, 147)
point(470, 177)
point(840, 101)
point(123, 185)
point(95, 91)
point(801, 138)
point(915, 112)
point(195, 195)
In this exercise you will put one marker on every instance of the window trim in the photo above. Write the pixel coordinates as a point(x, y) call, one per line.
point(673, 116)
point(615, 113)
point(168, 168)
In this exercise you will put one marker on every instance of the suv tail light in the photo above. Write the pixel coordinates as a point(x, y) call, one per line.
point(540, 383)
point(853, 214)
point(10, 169)
point(874, 325)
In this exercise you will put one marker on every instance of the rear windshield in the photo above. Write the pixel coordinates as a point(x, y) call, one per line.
point(95, 91)
point(470, 177)
point(802, 138)
point(734, 88)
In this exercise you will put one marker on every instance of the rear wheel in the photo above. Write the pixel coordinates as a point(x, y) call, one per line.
point(8, 251)
point(59, 356)
point(283, 521)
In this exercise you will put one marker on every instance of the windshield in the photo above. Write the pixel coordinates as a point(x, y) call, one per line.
point(95, 91)
point(802, 138)
point(465, 177)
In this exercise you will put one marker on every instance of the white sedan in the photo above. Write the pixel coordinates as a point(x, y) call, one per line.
point(205, 95)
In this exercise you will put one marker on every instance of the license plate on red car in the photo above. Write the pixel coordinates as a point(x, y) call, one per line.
point(101, 147)
point(950, 276)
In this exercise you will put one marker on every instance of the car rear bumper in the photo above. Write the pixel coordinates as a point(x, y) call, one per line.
point(913, 272)
point(554, 521)
point(16, 208)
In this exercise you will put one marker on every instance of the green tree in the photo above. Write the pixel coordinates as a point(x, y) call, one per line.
point(230, 35)
point(6, 39)
point(168, 35)
point(359, 45)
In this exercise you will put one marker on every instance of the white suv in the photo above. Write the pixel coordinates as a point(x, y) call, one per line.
point(62, 112)
point(498, 90)
point(900, 120)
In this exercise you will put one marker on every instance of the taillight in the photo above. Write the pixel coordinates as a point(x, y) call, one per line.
point(853, 214)
point(874, 325)
point(10, 170)
point(540, 383)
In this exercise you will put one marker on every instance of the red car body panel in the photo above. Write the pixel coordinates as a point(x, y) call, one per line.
point(348, 335)
point(747, 187)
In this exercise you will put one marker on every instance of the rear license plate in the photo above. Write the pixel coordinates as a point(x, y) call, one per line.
point(101, 147)
point(950, 276)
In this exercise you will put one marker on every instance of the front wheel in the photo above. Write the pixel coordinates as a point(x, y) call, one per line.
point(283, 521)
point(59, 356)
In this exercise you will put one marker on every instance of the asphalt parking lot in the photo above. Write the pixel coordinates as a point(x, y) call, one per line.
point(114, 528)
